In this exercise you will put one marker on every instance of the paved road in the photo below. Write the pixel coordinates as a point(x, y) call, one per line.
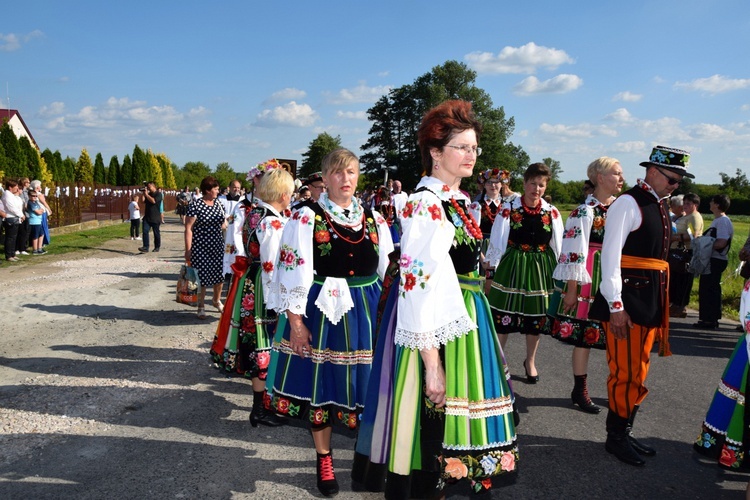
point(176, 428)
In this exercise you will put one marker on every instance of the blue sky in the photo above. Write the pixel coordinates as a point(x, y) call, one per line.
point(243, 81)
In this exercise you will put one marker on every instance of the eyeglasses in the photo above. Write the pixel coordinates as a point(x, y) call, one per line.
point(670, 180)
point(318, 186)
point(466, 149)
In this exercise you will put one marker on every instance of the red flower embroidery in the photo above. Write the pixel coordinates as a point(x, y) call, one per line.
point(505, 213)
point(305, 219)
point(254, 249)
point(276, 224)
point(322, 236)
point(555, 213)
point(282, 406)
point(374, 237)
point(408, 209)
point(516, 217)
point(409, 281)
point(435, 211)
point(545, 219)
point(566, 330)
point(591, 335)
point(525, 247)
point(617, 304)
point(317, 416)
point(267, 266)
point(263, 358)
point(728, 457)
point(446, 188)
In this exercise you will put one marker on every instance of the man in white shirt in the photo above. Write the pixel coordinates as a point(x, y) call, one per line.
point(14, 217)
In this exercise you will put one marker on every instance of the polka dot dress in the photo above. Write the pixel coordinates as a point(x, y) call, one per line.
point(207, 251)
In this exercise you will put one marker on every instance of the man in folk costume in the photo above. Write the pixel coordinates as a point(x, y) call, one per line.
point(632, 302)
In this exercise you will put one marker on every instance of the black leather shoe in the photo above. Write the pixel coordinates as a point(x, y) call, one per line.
point(156, 249)
point(640, 448)
point(584, 403)
point(265, 417)
point(327, 483)
point(620, 447)
point(706, 325)
point(531, 379)
point(143, 249)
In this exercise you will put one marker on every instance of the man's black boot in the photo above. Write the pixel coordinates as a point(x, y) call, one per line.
point(617, 441)
point(639, 447)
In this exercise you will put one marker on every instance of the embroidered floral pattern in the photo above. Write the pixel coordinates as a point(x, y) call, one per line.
point(289, 258)
point(412, 274)
point(480, 469)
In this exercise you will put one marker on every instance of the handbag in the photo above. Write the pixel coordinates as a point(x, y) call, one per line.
point(188, 286)
point(679, 260)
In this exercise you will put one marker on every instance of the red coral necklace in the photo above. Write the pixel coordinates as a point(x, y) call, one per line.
point(471, 224)
point(364, 229)
point(487, 211)
point(531, 211)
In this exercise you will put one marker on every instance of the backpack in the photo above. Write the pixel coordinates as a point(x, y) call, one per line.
point(703, 247)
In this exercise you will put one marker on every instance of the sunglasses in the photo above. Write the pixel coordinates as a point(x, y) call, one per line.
point(670, 180)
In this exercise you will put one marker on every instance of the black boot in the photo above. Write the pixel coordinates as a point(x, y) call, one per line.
point(617, 441)
point(260, 415)
point(641, 448)
point(327, 483)
point(580, 395)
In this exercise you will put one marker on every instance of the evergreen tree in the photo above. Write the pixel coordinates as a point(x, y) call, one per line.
point(141, 167)
point(224, 174)
point(167, 169)
point(100, 175)
point(69, 167)
point(319, 147)
point(154, 169)
point(126, 172)
point(84, 170)
point(14, 161)
point(30, 158)
point(114, 177)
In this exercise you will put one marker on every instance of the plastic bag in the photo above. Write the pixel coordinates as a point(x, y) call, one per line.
point(188, 286)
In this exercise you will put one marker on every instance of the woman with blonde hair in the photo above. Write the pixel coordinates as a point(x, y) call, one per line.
point(243, 339)
point(578, 274)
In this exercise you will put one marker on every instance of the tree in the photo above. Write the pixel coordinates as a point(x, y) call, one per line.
point(84, 170)
point(69, 169)
point(126, 172)
point(153, 172)
point(735, 187)
point(396, 117)
point(114, 176)
point(14, 161)
point(313, 157)
point(194, 172)
point(554, 167)
point(167, 171)
point(100, 176)
point(141, 166)
point(224, 174)
point(30, 159)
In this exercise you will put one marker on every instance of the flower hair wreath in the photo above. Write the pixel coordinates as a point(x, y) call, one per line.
point(262, 168)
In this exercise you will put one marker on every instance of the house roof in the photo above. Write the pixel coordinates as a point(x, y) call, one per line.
point(9, 114)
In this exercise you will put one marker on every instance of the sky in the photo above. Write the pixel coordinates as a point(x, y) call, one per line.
point(244, 81)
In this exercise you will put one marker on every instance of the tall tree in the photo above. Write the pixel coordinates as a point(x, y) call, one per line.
point(554, 167)
point(313, 157)
point(100, 176)
point(126, 172)
point(69, 169)
point(141, 166)
point(154, 169)
point(14, 157)
point(194, 172)
point(84, 168)
point(396, 117)
point(30, 158)
point(114, 176)
point(224, 174)
point(167, 171)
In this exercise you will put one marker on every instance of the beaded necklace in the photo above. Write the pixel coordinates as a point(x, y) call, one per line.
point(471, 224)
point(486, 211)
point(362, 221)
point(531, 211)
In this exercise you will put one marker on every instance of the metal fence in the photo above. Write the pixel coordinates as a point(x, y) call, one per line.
point(74, 204)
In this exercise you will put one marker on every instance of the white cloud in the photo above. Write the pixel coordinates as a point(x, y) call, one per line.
point(10, 42)
point(629, 147)
point(745, 107)
point(620, 115)
point(627, 96)
point(55, 108)
point(711, 132)
point(525, 59)
point(287, 94)
point(290, 114)
point(715, 84)
point(580, 131)
point(359, 94)
point(352, 115)
point(561, 84)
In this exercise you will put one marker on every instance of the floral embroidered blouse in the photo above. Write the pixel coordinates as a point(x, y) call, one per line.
point(314, 245)
point(515, 227)
point(261, 236)
point(430, 302)
point(585, 225)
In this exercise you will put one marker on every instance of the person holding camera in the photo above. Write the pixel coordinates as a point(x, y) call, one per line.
point(152, 216)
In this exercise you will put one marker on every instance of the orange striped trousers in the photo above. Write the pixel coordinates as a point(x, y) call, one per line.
point(628, 361)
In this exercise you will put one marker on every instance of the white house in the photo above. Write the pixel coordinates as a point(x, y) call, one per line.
point(13, 117)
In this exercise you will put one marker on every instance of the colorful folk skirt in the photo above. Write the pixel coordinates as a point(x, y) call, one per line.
point(576, 328)
point(410, 448)
point(242, 344)
point(519, 296)
point(328, 385)
point(725, 435)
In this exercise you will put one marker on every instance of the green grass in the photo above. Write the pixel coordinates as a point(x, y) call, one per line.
point(89, 239)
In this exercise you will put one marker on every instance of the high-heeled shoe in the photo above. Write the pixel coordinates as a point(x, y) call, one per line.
point(265, 417)
point(219, 305)
point(531, 379)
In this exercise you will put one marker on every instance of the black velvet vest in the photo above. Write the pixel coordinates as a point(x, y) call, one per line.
point(642, 290)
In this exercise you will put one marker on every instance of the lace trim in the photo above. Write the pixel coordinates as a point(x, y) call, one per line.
point(496, 444)
point(343, 358)
point(493, 256)
point(462, 407)
point(566, 272)
point(294, 300)
point(731, 393)
point(435, 338)
point(356, 406)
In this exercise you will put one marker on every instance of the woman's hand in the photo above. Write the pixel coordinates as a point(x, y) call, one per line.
point(299, 335)
point(570, 299)
point(188, 255)
point(434, 381)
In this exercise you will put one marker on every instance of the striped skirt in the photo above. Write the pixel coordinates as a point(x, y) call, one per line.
point(420, 447)
point(328, 385)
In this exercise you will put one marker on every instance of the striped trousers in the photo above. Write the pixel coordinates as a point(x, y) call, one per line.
point(628, 361)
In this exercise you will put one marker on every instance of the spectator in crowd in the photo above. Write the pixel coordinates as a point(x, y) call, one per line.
point(230, 200)
point(183, 200)
point(35, 210)
point(578, 275)
point(709, 286)
point(333, 256)
point(22, 241)
point(303, 194)
point(316, 184)
point(197, 193)
point(688, 226)
point(14, 217)
point(152, 216)
point(675, 207)
point(632, 299)
point(526, 241)
point(243, 340)
point(588, 188)
point(36, 185)
point(399, 197)
point(204, 243)
point(135, 217)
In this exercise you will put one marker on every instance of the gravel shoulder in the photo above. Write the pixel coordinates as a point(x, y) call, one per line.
point(107, 391)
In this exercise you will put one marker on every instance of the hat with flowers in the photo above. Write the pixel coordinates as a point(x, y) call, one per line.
point(494, 174)
point(262, 168)
point(674, 160)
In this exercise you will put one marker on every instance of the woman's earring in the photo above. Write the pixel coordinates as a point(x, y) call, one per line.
point(436, 167)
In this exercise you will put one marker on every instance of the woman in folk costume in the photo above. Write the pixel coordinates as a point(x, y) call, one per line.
point(526, 240)
point(439, 407)
point(725, 434)
point(489, 200)
point(243, 338)
point(333, 256)
point(578, 274)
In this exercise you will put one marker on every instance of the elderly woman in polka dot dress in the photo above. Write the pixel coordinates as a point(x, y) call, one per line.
point(204, 243)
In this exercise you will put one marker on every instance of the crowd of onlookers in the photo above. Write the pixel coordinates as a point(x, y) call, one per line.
point(23, 215)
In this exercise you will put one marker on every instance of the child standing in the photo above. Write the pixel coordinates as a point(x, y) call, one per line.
point(35, 210)
point(135, 217)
